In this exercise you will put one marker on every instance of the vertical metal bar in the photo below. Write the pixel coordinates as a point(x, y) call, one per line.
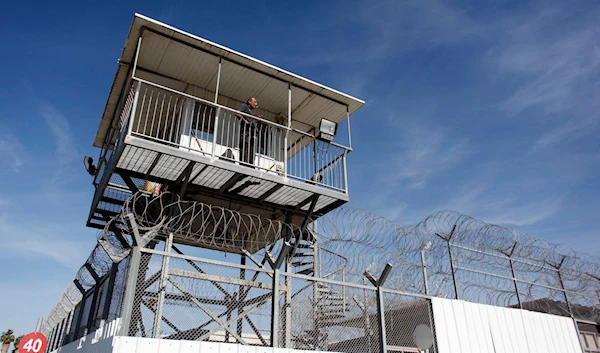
point(349, 133)
point(288, 304)
point(367, 318)
point(92, 313)
point(289, 120)
point(381, 321)
point(275, 310)
point(424, 265)
point(79, 317)
point(452, 268)
point(512, 270)
point(164, 275)
point(38, 326)
point(287, 132)
point(345, 171)
point(130, 288)
point(218, 81)
point(133, 108)
point(214, 144)
point(241, 296)
point(562, 286)
point(137, 55)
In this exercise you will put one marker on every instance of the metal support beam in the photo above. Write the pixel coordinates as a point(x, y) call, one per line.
point(218, 81)
point(92, 313)
point(241, 295)
point(231, 182)
point(424, 266)
point(109, 290)
point(448, 241)
point(130, 289)
point(92, 272)
point(187, 173)
point(378, 283)
point(130, 184)
point(164, 276)
point(275, 297)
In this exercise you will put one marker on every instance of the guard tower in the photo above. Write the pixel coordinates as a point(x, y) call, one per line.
point(171, 123)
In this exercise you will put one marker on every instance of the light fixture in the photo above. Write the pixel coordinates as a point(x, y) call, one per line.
point(88, 163)
point(327, 130)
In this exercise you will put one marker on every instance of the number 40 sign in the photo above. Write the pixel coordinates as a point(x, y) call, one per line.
point(34, 342)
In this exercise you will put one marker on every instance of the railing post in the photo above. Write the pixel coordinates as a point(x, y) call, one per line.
point(218, 81)
point(378, 283)
point(214, 144)
point(164, 275)
point(133, 108)
point(349, 132)
point(345, 171)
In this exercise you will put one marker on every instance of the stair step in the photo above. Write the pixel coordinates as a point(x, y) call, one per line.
point(304, 254)
point(335, 298)
point(339, 311)
point(330, 317)
point(302, 263)
point(307, 271)
point(304, 246)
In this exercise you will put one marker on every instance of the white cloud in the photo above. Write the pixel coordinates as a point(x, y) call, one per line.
point(424, 152)
point(12, 151)
point(502, 208)
point(556, 71)
point(59, 125)
point(48, 240)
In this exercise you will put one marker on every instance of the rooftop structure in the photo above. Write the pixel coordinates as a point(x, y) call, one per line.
point(171, 122)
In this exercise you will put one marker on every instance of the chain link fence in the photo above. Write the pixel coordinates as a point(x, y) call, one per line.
point(318, 296)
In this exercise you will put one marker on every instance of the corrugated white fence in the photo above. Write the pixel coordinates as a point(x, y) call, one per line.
point(476, 328)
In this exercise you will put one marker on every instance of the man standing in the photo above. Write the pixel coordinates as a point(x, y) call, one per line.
point(248, 128)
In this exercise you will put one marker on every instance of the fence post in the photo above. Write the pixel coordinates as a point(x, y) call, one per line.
point(378, 283)
point(164, 275)
point(424, 266)
point(135, 257)
point(512, 271)
point(447, 239)
point(275, 307)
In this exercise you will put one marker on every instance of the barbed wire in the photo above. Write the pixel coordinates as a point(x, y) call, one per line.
point(490, 264)
point(458, 256)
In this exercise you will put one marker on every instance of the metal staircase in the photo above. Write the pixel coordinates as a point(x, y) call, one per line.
point(329, 305)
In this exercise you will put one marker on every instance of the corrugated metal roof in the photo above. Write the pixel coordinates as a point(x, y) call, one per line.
point(182, 56)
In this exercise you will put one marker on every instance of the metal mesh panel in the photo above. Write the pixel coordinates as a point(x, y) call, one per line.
point(407, 321)
point(328, 317)
point(201, 301)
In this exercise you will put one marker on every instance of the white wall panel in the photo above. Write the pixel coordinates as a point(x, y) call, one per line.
point(476, 328)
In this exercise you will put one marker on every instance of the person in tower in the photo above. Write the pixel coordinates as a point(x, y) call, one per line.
point(248, 129)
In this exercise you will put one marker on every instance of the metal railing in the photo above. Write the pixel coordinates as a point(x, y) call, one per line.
point(196, 125)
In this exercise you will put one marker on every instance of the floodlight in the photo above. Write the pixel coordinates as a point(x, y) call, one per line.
point(327, 130)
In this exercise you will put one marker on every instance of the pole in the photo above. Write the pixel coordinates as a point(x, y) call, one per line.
point(378, 283)
point(164, 276)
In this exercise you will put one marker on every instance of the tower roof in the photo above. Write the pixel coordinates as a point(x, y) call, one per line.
point(186, 58)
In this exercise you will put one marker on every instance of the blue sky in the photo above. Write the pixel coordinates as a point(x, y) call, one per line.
point(490, 109)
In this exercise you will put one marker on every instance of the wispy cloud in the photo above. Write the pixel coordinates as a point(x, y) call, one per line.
point(59, 125)
point(556, 71)
point(12, 151)
point(46, 240)
point(502, 208)
point(426, 151)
